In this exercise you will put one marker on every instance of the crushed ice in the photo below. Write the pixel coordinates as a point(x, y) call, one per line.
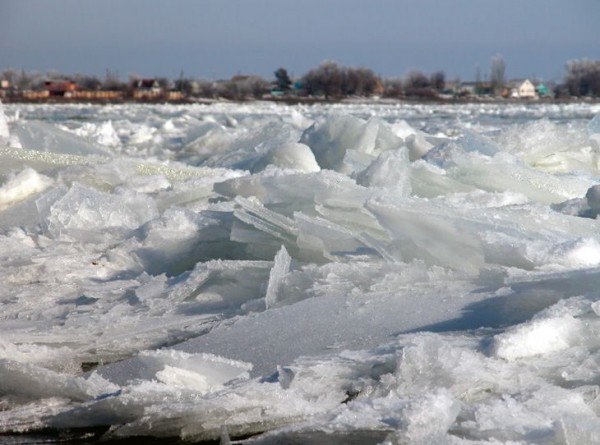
point(233, 270)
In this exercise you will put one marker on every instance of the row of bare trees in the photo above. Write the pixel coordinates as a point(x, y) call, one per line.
point(329, 80)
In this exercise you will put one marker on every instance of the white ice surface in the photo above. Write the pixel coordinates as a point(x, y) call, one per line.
point(380, 273)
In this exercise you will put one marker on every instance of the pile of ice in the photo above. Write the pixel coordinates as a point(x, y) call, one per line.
point(376, 272)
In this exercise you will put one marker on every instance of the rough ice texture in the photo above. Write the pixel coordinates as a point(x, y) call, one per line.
point(370, 273)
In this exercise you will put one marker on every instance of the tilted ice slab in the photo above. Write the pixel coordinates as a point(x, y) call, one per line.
point(338, 139)
point(478, 162)
point(42, 136)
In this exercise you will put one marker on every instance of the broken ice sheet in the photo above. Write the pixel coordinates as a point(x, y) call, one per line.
point(411, 287)
point(87, 214)
point(331, 137)
point(42, 136)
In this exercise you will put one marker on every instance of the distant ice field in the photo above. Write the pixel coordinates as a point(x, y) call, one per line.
point(256, 273)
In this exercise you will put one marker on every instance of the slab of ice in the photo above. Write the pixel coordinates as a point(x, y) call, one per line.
point(391, 170)
point(551, 147)
point(504, 172)
point(4, 133)
point(86, 214)
point(250, 149)
point(291, 192)
point(421, 231)
point(103, 134)
point(330, 138)
point(37, 135)
point(281, 268)
point(295, 156)
point(197, 372)
point(593, 129)
point(22, 185)
point(416, 141)
point(205, 141)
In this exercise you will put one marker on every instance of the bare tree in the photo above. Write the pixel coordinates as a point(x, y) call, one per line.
point(33, 80)
point(393, 88)
point(359, 82)
point(24, 81)
point(438, 81)
point(241, 88)
point(10, 74)
point(417, 84)
point(206, 88)
point(326, 79)
point(583, 77)
point(164, 83)
point(112, 82)
point(88, 82)
point(186, 86)
point(497, 73)
point(254, 86)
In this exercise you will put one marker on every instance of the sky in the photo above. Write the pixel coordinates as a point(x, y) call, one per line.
point(216, 39)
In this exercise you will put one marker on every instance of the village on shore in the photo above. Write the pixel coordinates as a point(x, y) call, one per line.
point(328, 82)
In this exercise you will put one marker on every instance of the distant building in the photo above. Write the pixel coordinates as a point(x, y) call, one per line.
point(35, 95)
point(475, 88)
point(467, 88)
point(101, 95)
point(4, 86)
point(451, 88)
point(524, 90)
point(543, 91)
point(60, 88)
point(174, 96)
point(146, 89)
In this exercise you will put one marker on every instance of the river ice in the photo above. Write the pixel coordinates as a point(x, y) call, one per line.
point(354, 273)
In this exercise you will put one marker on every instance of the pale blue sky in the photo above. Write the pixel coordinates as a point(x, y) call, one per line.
point(220, 38)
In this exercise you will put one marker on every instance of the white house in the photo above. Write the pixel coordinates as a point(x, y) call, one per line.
point(524, 90)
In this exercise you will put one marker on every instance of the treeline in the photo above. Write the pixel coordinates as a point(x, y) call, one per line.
point(582, 78)
point(329, 81)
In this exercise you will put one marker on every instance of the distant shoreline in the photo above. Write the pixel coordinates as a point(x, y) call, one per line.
point(310, 101)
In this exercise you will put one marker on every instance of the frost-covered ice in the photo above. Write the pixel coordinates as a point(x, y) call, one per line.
point(356, 273)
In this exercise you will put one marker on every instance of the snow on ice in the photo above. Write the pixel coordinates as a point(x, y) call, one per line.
point(356, 273)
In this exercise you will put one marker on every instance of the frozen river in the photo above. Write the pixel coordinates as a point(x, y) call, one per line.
point(352, 273)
